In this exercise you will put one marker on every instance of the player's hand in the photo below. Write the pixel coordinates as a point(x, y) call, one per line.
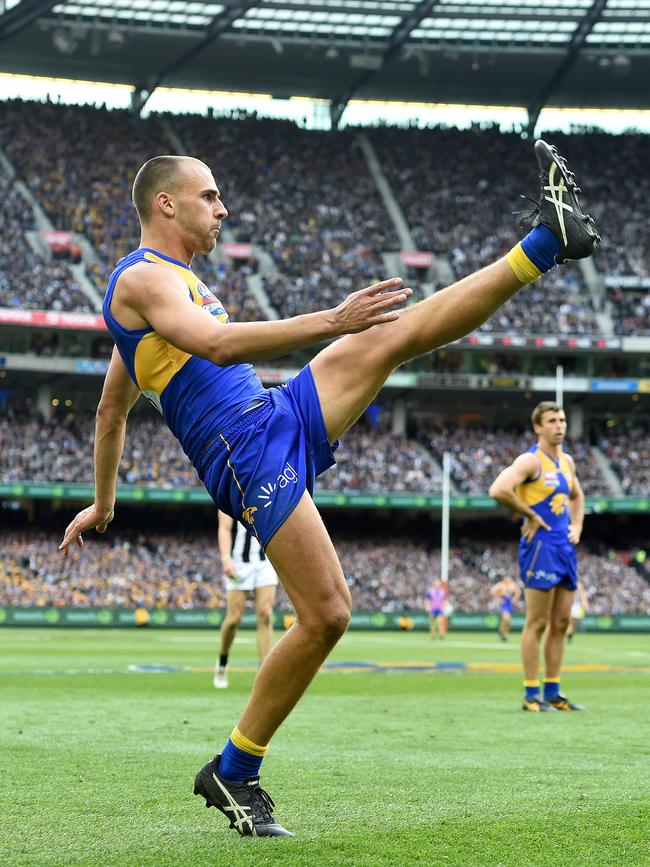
point(531, 526)
point(94, 516)
point(574, 534)
point(229, 568)
point(373, 305)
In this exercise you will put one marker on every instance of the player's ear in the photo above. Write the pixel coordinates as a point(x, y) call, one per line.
point(166, 204)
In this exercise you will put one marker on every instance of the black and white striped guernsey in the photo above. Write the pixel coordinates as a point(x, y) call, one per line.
point(245, 549)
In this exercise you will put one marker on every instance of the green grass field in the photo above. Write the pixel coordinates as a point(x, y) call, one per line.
point(388, 767)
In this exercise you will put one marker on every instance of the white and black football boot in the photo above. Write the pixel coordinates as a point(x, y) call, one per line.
point(559, 209)
point(246, 805)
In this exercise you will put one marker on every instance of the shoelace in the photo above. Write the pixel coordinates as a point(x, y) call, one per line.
point(529, 216)
point(262, 804)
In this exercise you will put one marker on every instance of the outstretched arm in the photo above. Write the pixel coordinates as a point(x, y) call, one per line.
point(160, 298)
point(118, 396)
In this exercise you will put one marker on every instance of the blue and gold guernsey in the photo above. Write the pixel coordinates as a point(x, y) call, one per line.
point(549, 559)
point(197, 398)
point(548, 493)
point(256, 450)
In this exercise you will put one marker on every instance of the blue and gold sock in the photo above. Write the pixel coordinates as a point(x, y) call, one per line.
point(532, 689)
point(534, 255)
point(241, 759)
point(551, 688)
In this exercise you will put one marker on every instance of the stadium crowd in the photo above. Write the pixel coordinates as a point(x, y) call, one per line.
point(629, 455)
point(306, 197)
point(479, 454)
point(369, 460)
point(50, 285)
point(182, 570)
point(630, 309)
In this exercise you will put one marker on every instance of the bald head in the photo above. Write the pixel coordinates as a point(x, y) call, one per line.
point(157, 175)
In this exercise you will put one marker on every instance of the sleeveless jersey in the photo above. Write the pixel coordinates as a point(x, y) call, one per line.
point(548, 494)
point(245, 548)
point(197, 398)
point(436, 598)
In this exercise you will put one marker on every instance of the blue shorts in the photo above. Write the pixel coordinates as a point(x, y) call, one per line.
point(545, 564)
point(258, 469)
point(506, 606)
point(435, 612)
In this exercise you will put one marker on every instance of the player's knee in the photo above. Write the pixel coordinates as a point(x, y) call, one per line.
point(537, 625)
point(560, 624)
point(233, 618)
point(335, 621)
point(330, 620)
point(264, 615)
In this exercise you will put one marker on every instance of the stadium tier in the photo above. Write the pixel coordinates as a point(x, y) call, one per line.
point(183, 570)
point(308, 225)
point(306, 207)
point(370, 461)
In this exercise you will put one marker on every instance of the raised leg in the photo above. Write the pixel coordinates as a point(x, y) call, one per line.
point(349, 373)
point(304, 558)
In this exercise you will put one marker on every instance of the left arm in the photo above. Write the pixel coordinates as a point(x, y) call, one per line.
point(576, 508)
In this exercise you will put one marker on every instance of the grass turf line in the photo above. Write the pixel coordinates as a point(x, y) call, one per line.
point(371, 769)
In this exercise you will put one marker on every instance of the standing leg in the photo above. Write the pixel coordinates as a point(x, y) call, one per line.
point(264, 602)
point(554, 645)
point(504, 629)
point(304, 558)
point(538, 613)
point(235, 603)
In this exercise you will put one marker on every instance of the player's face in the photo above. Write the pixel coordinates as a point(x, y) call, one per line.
point(552, 427)
point(199, 208)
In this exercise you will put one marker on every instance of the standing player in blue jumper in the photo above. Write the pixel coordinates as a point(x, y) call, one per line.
point(542, 486)
point(259, 450)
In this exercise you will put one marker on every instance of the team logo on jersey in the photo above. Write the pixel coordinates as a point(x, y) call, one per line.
point(248, 513)
point(558, 504)
point(551, 479)
point(211, 303)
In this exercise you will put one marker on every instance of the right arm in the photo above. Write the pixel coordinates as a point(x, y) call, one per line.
point(161, 298)
point(504, 490)
point(224, 538)
point(118, 397)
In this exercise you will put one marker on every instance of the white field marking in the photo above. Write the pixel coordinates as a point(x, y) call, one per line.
point(636, 653)
point(188, 639)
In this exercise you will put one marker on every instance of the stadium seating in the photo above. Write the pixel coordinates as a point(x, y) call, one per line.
point(479, 454)
point(50, 285)
point(308, 199)
point(182, 570)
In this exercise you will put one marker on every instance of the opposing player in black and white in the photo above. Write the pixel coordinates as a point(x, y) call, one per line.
point(246, 569)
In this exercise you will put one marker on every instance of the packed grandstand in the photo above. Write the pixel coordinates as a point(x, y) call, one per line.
point(308, 225)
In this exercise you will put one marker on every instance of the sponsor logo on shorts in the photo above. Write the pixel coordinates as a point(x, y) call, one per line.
point(288, 476)
point(248, 513)
point(541, 575)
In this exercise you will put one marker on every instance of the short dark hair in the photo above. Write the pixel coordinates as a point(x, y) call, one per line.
point(541, 408)
point(157, 174)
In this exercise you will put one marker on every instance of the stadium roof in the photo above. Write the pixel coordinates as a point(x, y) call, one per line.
point(498, 52)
